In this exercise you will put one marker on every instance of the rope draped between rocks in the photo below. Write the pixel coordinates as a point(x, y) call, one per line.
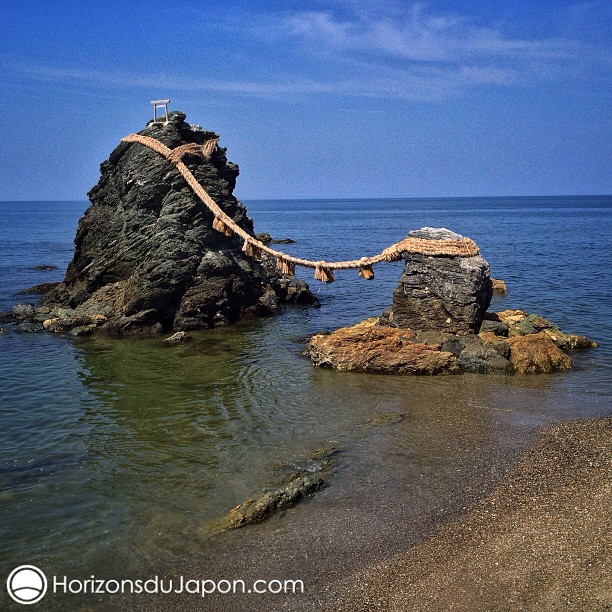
point(323, 270)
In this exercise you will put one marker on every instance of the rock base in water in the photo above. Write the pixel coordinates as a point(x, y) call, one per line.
point(512, 342)
point(146, 256)
point(252, 511)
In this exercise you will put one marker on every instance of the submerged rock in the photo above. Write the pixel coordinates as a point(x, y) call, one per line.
point(296, 487)
point(449, 294)
point(179, 338)
point(44, 267)
point(146, 255)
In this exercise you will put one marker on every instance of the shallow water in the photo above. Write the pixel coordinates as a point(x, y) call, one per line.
point(118, 453)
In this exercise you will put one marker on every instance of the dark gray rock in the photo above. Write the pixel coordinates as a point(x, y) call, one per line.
point(44, 267)
point(269, 301)
point(267, 239)
point(146, 256)
point(495, 327)
point(449, 294)
point(29, 327)
point(481, 357)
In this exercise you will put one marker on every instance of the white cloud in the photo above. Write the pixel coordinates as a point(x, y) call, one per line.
point(399, 51)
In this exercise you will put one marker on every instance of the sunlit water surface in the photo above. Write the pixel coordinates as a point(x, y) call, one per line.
point(116, 454)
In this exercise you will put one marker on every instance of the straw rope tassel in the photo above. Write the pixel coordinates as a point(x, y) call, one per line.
point(248, 248)
point(220, 226)
point(285, 267)
point(365, 271)
point(323, 274)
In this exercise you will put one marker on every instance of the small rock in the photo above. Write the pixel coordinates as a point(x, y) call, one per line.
point(532, 324)
point(29, 327)
point(480, 357)
point(264, 237)
point(82, 330)
point(252, 511)
point(267, 239)
point(495, 327)
point(269, 300)
point(44, 267)
point(23, 311)
point(179, 338)
point(499, 286)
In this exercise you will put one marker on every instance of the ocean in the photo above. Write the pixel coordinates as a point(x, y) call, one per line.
point(116, 455)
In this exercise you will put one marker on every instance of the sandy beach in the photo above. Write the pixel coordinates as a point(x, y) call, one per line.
point(541, 541)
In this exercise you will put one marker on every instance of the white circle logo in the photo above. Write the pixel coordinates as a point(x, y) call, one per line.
point(26, 584)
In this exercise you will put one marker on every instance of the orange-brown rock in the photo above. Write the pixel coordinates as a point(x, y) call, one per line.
point(499, 286)
point(368, 347)
point(537, 353)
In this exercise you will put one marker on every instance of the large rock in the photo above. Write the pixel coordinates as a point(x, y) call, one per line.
point(449, 294)
point(537, 354)
point(369, 347)
point(146, 255)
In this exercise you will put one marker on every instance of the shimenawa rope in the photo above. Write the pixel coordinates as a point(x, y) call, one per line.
point(323, 270)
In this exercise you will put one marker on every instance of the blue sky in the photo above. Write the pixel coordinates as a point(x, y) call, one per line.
point(327, 99)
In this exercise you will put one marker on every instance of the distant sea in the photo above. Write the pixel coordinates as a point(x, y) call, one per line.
point(117, 453)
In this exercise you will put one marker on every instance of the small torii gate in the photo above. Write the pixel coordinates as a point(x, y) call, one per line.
point(160, 104)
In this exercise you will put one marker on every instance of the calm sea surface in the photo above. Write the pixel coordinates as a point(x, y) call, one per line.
point(116, 454)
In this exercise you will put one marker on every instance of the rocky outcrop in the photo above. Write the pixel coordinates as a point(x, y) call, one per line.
point(438, 325)
point(514, 347)
point(449, 294)
point(146, 256)
point(369, 347)
point(512, 323)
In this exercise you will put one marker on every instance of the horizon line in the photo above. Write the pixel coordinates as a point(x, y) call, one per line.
point(357, 198)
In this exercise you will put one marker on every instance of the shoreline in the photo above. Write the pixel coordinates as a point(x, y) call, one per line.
point(540, 541)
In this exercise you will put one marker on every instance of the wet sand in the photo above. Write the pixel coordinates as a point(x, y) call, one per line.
point(541, 541)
